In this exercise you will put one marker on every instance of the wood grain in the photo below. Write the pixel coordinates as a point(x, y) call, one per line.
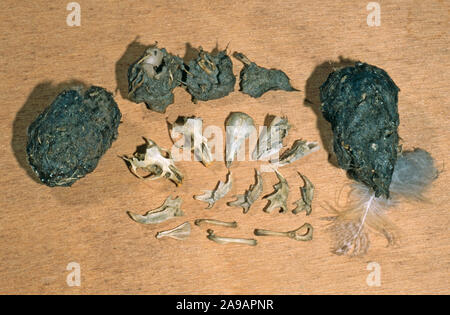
point(43, 229)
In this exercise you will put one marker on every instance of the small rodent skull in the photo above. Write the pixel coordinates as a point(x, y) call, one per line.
point(153, 56)
point(156, 161)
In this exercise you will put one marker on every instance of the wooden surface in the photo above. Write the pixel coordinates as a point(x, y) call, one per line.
point(43, 229)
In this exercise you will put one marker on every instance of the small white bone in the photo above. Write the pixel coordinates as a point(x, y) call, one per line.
point(228, 240)
point(212, 196)
point(168, 210)
point(278, 199)
point(157, 161)
point(238, 126)
point(250, 196)
point(299, 149)
point(294, 234)
point(180, 232)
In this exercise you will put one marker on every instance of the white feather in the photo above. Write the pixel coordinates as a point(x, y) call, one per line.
point(414, 171)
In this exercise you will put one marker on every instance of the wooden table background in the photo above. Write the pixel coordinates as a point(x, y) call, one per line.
point(43, 229)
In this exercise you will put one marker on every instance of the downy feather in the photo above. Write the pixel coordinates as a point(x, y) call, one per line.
point(414, 171)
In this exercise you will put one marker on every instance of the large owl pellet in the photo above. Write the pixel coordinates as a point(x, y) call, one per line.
point(68, 139)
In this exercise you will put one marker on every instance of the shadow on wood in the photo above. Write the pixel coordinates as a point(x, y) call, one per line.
point(134, 51)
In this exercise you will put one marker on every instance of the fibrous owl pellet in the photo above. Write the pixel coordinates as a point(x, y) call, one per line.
point(152, 78)
point(360, 102)
point(68, 139)
point(209, 76)
point(256, 80)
